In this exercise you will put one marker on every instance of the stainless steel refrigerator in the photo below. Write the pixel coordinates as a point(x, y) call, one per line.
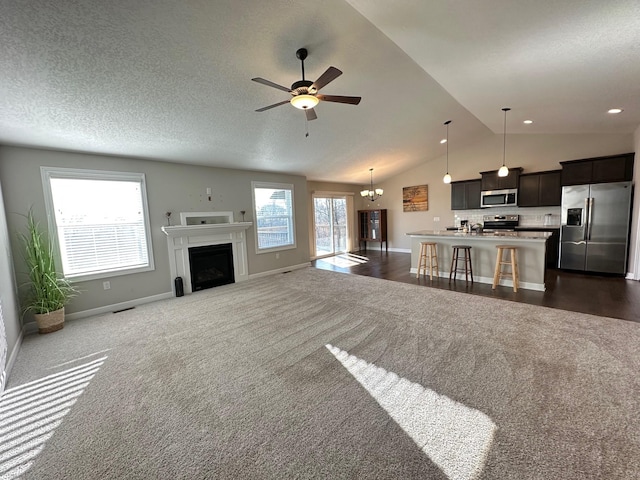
point(595, 227)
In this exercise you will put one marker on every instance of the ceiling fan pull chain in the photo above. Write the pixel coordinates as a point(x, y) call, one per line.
point(306, 126)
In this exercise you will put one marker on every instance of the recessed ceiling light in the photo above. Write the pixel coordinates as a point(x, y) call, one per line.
point(528, 122)
point(444, 140)
point(615, 110)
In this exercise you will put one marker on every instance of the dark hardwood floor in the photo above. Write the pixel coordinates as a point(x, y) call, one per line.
point(599, 295)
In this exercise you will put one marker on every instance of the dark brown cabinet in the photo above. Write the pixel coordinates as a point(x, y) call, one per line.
point(465, 195)
point(491, 180)
point(613, 168)
point(541, 189)
point(372, 227)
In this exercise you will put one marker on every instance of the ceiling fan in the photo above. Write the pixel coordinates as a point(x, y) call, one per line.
point(305, 94)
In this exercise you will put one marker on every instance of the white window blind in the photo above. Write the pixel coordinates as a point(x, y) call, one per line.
point(100, 219)
point(273, 206)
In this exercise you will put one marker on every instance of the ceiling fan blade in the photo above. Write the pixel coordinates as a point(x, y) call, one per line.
point(274, 105)
point(310, 113)
point(328, 76)
point(271, 84)
point(339, 99)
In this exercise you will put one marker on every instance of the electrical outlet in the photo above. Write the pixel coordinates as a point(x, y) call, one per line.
point(106, 285)
point(436, 219)
point(277, 255)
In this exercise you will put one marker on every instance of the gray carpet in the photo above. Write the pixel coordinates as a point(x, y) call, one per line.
point(316, 374)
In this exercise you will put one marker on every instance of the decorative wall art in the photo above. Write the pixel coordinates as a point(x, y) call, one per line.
point(415, 199)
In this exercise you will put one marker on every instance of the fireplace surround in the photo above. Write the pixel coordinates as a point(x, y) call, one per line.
point(212, 228)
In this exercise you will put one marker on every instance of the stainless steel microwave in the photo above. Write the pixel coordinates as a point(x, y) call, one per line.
point(499, 198)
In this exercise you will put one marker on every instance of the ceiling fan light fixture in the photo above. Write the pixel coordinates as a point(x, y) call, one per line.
point(304, 102)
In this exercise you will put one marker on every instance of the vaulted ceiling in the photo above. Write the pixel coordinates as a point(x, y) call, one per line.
point(171, 80)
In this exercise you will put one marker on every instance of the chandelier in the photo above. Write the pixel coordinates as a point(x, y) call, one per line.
point(371, 194)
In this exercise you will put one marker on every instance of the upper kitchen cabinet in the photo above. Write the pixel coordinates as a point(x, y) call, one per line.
point(541, 189)
point(613, 168)
point(491, 180)
point(465, 195)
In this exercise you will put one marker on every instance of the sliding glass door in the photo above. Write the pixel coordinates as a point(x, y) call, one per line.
point(330, 218)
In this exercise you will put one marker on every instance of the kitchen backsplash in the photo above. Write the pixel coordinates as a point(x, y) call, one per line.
point(529, 217)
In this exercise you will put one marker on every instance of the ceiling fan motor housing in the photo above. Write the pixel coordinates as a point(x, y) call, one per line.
point(301, 87)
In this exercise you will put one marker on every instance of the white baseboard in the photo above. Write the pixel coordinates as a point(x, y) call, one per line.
point(118, 306)
point(279, 270)
point(32, 327)
point(401, 250)
point(10, 361)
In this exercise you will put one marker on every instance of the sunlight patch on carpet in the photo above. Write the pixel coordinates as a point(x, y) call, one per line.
point(455, 437)
point(30, 413)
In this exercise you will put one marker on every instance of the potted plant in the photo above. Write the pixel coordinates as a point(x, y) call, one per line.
point(49, 290)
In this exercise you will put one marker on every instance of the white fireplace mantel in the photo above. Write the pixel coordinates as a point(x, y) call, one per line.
point(208, 229)
point(182, 237)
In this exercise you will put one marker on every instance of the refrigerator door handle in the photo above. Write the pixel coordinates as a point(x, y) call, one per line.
point(590, 214)
point(587, 214)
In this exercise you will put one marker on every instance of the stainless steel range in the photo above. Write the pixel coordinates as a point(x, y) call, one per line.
point(500, 223)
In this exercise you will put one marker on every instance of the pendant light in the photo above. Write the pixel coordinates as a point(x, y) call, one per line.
point(371, 194)
point(504, 171)
point(447, 177)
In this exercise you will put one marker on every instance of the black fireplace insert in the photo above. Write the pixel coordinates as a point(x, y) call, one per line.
point(211, 266)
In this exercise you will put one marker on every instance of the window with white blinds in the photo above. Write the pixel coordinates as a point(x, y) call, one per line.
point(273, 209)
point(101, 221)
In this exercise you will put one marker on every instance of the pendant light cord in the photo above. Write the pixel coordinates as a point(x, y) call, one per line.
point(447, 124)
point(504, 137)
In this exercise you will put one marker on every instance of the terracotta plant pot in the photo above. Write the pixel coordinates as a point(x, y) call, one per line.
point(50, 322)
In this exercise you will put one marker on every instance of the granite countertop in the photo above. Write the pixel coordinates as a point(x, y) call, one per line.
point(541, 235)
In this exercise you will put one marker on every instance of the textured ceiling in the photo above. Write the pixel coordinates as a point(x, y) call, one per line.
point(170, 80)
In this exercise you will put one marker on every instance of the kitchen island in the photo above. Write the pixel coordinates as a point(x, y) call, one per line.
point(531, 254)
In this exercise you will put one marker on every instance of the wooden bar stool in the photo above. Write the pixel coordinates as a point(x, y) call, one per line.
point(468, 268)
point(428, 258)
point(513, 261)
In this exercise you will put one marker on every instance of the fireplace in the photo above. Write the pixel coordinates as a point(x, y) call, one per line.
point(206, 229)
point(211, 266)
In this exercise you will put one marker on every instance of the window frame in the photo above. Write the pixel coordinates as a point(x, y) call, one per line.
point(278, 186)
point(85, 174)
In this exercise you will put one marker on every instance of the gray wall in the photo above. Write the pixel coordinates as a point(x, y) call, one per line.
point(170, 187)
point(9, 305)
